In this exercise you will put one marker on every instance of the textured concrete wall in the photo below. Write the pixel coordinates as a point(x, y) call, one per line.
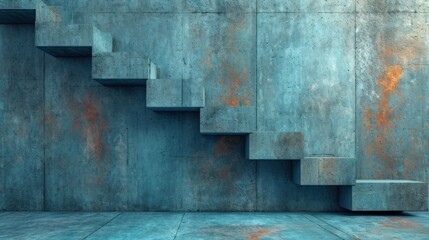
point(351, 75)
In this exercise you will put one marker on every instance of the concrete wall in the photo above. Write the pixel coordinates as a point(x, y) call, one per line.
point(351, 75)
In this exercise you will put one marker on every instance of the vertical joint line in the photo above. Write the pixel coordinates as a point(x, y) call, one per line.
point(355, 69)
point(256, 101)
point(256, 65)
point(44, 131)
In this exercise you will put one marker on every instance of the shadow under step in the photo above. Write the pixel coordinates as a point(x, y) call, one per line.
point(385, 195)
point(227, 120)
point(317, 171)
point(275, 146)
point(175, 94)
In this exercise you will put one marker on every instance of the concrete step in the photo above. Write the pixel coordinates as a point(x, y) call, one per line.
point(227, 120)
point(57, 36)
point(118, 68)
point(385, 195)
point(122, 68)
point(324, 171)
point(64, 40)
point(275, 146)
point(175, 94)
point(17, 11)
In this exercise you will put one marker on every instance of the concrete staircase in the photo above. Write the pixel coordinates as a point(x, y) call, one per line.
point(58, 36)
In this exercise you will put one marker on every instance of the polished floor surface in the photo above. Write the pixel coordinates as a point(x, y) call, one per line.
point(251, 226)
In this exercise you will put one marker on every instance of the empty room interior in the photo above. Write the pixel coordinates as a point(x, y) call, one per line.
point(214, 119)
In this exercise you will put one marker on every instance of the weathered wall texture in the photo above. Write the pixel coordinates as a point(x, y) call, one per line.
point(351, 75)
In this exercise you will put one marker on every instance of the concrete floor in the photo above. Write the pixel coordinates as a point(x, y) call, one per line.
point(156, 225)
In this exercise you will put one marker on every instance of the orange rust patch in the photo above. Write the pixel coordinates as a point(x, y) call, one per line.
point(261, 233)
point(233, 86)
point(224, 145)
point(93, 129)
point(394, 56)
point(91, 112)
point(394, 222)
point(387, 84)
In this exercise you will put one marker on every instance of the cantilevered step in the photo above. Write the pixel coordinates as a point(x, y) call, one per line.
point(57, 37)
point(385, 195)
point(324, 171)
point(175, 94)
point(17, 11)
point(122, 68)
point(64, 40)
point(118, 68)
point(275, 146)
point(227, 120)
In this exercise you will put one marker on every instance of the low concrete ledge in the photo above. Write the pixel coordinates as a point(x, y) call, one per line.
point(385, 195)
point(194, 96)
point(227, 120)
point(64, 40)
point(324, 171)
point(122, 68)
point(164, 94)
point(275, 146)
point(174, 95)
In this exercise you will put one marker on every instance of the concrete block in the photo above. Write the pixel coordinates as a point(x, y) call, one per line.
point(102, 42)
point(324, 171)
point(385, 195)
point(122, 68)
point(64, 40)
point(193, 93)
point(17, 11)
point(275, 146)
point(227, 120)
point(164, 94)
point(174, 95)
point(57, 36)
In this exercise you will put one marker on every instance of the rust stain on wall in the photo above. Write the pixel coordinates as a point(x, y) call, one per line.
point(94, 129)
point(387, 83)
point(222, 167)
point(225, 145)
point(235, 93)
point(207, 59)
point(87, 118)
point(395, 57)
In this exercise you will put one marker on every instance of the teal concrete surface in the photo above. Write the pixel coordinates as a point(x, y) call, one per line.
point(213, 225)
point(348, 76)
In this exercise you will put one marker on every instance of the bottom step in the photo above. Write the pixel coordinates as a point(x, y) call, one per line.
point(385, 195)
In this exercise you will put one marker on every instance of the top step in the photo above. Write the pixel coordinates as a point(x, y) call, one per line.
point(17, 12)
